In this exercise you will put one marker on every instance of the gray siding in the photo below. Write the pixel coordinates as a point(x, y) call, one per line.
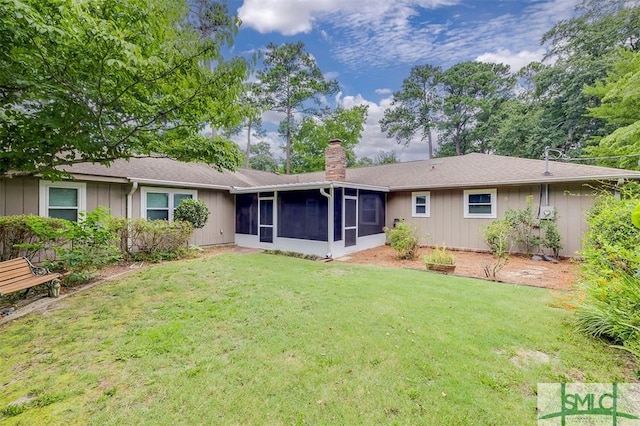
point(447, 225)
point(18, 196)
point(220, 228)
point(21, 196)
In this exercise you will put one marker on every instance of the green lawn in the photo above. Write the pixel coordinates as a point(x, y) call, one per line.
point(263, 339)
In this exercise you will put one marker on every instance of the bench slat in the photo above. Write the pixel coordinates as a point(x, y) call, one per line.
point(43, 278)
point(20, 286)
point(6, 276)
point(16, 274)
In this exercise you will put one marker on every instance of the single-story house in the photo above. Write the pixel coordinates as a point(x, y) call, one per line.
point(330, 213)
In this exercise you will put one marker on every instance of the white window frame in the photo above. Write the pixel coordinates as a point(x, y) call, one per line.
point(44, 196)
point(427, 205)
point(494, 204)
point(170, 191)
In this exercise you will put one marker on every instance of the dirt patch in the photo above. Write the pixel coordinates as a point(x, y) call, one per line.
point(525, 357)
point(518, 270)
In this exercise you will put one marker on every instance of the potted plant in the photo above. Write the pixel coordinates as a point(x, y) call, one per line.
point(441, 260)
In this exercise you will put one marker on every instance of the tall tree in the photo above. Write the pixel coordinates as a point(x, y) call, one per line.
point(619, 96)
point(252, 106)
point(261, 158)
point(313, 135)
point(583, 49)
point(291, 80)
point(472, 93)
point(100, 80)
point(414, 108)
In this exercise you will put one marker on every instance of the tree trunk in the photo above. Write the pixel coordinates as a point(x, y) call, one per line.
point(288, 138)
point(430, 144)
point(248, 151)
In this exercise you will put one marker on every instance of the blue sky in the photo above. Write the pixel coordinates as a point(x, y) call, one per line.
point(369, 46)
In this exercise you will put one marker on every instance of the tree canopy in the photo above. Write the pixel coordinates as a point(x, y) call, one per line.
point(413, 108)
point(619, 96)
point(290, 80)
point(314, 133)
point(99, 80)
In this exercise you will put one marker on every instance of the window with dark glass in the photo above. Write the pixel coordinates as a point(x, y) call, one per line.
point(160, 204)
point(303, 215)
point(371, 214)
point(337, 214)
point(247, 214)
point(63, 203)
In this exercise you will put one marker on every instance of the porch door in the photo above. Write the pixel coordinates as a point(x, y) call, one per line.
point(350, 220)
point(265, 213)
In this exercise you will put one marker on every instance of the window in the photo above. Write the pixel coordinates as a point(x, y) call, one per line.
point(159, 203)
point(421, 204)
point(371, 213)
point(480, 203)
point(247, 214)
point(63, 200)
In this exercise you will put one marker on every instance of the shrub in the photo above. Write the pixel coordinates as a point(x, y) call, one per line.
point(154, 240)
point(550, 236)
point(29, 236)
point(90, 244)
point(610, 272)
point(611, 243)
point(404, 240)
point(523, 223)
point(441, 256)
point(195, 212)
point(497, 236)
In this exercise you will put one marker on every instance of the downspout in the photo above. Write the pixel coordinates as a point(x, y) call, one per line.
point(330, 218)
point(134, 188)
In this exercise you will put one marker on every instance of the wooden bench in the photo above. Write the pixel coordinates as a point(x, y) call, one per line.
point(20, 274)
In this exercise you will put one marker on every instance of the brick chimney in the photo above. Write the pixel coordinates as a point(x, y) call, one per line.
point(335, 159)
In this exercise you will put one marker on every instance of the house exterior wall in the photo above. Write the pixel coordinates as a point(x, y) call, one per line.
point(447, 225)
point(21, 196)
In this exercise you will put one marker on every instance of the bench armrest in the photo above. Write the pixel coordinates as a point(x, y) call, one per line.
point(38, 270)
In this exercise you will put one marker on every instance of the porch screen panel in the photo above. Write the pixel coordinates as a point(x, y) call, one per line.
point(247, 214)
point(371, 213)
point(303, 215)
point(337, 214)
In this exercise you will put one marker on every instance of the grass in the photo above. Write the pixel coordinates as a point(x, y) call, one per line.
point(262, 339)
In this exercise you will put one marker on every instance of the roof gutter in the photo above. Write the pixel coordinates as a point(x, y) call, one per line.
point(458, 185)
point(129, 206)
point(303, 186)
point(176, 184)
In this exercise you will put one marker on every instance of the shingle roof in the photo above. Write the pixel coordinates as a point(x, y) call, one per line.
point(475, 170)
point(471, 170)
point(168, 171)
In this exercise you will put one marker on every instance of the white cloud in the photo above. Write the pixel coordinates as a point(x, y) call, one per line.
point(372, 140)
point(290, 17)
point(515, 60)
point(331, 75)
point(384, 91)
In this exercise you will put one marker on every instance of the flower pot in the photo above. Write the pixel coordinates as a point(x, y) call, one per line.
point(440, 267)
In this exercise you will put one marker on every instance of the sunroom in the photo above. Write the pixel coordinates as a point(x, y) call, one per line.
point(328, 219)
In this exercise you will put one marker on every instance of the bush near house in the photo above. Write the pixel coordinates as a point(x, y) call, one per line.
point(98, 239)
point(89, 245)
point(611, 271)
point(29, 236)
point(522, 229)
point(195, 212)
point(404, 240)
point(153, 240)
